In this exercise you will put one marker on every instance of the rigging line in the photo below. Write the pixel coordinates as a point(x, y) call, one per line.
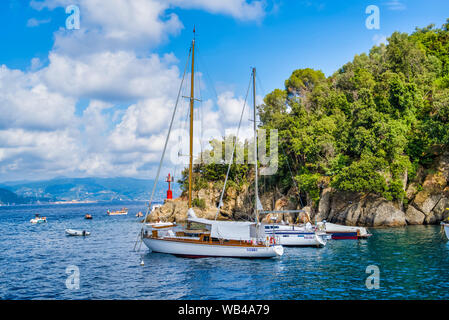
point(260, 85)
point(165, 147)
point(291, 173)
point(233, 151)
point(204, 66)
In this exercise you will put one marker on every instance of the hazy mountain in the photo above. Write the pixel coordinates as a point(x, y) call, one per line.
point(66, 189)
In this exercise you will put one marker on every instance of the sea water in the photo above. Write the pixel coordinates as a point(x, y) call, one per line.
point(38, 262)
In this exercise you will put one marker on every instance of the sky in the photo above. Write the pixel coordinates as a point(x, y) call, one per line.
point(97, 101)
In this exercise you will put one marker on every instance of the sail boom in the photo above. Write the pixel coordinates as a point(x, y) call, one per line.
point(281, 211)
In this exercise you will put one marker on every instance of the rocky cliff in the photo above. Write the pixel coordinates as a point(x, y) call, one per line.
point(427, 202)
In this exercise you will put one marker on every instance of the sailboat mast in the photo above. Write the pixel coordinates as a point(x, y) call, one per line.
point(192, 100)
point(256, 192)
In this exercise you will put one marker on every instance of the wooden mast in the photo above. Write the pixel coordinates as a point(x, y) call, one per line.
point(192, 100)
point(256, 187)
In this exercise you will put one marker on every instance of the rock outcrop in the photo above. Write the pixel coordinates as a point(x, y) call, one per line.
point(354, 209)
point(429, 196)
point(413, 216)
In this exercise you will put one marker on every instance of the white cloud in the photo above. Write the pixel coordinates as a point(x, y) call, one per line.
point(112, 76)
point(130, 93)
point(25, 102)
point(114, 25)
point(28, 153)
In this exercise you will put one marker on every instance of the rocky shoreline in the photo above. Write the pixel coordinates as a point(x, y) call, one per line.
point(426, 202)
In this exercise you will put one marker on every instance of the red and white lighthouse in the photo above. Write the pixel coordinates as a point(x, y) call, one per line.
point(170, 179)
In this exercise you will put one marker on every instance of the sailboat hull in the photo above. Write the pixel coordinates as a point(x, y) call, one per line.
point(198, 250)
point(295, 239)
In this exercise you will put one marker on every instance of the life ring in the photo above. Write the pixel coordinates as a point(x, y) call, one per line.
point(272, 240)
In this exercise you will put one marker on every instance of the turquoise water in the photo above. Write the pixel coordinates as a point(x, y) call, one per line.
point(413, 263)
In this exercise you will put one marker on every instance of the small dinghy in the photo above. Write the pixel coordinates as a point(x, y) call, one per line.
point(78, 233)
point(88, 217)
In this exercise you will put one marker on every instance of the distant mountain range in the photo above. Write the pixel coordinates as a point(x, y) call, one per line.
point(81, 189)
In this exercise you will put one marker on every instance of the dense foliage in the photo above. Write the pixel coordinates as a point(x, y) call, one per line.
point(367, 127)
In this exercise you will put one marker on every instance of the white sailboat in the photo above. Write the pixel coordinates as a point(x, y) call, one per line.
point(216, 238)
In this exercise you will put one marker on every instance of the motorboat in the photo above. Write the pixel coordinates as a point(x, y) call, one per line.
point(37, 219)
point(122, 212)
point(297, 236)
point(340, 232)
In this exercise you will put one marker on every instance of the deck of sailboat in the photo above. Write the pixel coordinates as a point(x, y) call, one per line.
point(204, 239)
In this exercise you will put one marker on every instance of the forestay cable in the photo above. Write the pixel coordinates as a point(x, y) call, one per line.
point(165, 149)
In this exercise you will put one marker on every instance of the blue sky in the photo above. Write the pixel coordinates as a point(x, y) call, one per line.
point(293, 34)
point(100, 113)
